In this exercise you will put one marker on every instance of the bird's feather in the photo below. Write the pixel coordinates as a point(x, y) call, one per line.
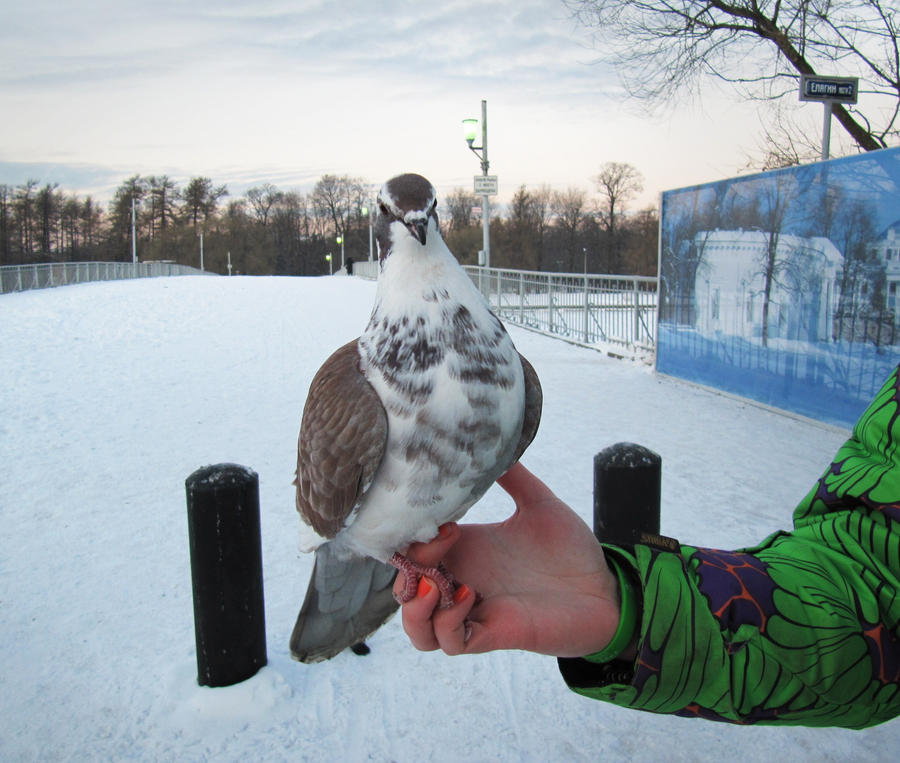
point(348, 599)
point(342, 438)
point(534, 403)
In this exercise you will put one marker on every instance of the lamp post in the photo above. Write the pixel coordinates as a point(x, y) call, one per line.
point(340, 240)
point(201, 249)
point(330, 266)
point(133, 234)
point(365, 213)
point(471, 129)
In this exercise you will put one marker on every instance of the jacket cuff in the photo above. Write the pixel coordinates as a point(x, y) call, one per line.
point(603, 668)
point(629, 606)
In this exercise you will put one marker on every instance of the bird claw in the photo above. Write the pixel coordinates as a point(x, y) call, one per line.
point(414, 572)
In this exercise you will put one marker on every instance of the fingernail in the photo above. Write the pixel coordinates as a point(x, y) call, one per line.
point(444, 530)
point(462, 593)
point(424, 588)
point(468, 632)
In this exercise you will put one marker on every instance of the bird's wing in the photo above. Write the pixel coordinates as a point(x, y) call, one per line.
point(342, 440)
point(534, 401)
point(348, 599)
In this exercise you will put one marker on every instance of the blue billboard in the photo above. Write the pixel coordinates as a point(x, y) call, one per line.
point(784, 286)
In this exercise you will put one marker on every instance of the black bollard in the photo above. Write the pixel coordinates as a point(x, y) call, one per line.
point(226, 571)
point(627, 482)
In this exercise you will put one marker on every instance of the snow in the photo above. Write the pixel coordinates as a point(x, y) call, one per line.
point(113, 393)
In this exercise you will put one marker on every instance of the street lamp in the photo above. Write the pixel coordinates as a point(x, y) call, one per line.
point(365, 213)
point(330, 266)
point(340, 240)
point(470, 127)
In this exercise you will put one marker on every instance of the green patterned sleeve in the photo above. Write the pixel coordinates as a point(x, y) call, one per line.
point(802, 629)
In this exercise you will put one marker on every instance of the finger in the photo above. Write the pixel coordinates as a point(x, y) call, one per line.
point(416, 616)
point(429, 554)
point(451, 626)
point(522, 486)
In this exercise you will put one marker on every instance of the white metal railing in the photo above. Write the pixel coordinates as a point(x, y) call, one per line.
point(592, 310)
point(365, 269)
point(46, 274)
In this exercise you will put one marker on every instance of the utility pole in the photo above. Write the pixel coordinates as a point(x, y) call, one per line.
point(133, 234)
point(485, 199)
point(484, 184)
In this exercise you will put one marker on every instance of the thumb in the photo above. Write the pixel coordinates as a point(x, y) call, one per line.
point(523, 487)
point(429, 554)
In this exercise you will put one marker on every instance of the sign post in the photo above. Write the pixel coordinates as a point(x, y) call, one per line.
point(828, 90)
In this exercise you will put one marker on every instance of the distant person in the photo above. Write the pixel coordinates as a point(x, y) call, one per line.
point(802, 629)
point(349, 266)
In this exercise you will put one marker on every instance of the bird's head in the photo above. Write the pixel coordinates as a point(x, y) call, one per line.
point(406, 206)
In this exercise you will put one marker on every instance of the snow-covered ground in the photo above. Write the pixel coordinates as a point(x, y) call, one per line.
point(113, 393)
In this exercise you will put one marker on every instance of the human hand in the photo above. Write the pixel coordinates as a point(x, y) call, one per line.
point(541, 575)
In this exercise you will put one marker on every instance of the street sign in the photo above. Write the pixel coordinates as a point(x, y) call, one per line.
point(486, 185)
point(835, 89)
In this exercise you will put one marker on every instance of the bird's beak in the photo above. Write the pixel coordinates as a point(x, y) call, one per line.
point(419, 229)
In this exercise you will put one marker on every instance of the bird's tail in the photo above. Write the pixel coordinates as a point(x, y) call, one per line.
point(348, 598)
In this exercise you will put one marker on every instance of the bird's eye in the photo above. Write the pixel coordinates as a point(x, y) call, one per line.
point(383, 209)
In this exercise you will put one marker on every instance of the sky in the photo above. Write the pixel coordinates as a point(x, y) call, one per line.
point(284, 92)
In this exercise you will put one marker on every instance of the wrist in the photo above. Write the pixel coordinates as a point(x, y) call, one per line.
point(623, 642)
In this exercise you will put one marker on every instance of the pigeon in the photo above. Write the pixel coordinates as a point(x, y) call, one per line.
point(404, 428)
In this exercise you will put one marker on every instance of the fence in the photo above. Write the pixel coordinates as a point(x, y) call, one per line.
point(367, 270)
point(46, 274)
point(591, 310)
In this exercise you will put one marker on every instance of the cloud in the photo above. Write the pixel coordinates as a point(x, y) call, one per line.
point(520, 44)
point(287, 90)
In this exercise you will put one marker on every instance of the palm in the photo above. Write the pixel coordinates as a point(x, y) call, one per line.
point(543, 582)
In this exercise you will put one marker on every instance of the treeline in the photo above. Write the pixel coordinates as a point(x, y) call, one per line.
point(273, 232)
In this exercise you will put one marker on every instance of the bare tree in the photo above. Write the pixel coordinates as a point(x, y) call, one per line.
point(6, 224)
point(668, 45)
point(569, 209)
point(459, 203)
point(48, 207)
point(774, 197)
point(262, 199)
point(336, 198)
point(617, 183)
point(24, 208)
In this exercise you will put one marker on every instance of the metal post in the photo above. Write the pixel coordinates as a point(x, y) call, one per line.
point(550, 303)
point(522, 298)
point(133, 234)
point(587, 309)
point(485, 200)
point(635, 290)
point(201, 250)
point(627, 482)
point(226, 572)
point(826, 131)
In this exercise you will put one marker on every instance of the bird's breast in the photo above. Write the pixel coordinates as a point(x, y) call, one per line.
point(451, 383)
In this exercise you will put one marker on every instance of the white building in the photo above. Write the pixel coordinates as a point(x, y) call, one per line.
point(730, 284)
point(887, 249)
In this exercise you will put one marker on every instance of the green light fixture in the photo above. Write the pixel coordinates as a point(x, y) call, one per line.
point(470, 130)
